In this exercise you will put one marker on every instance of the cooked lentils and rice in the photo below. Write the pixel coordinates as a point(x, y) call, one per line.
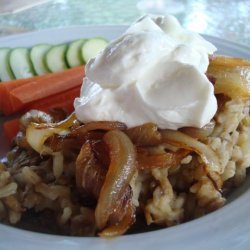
point(165, 176)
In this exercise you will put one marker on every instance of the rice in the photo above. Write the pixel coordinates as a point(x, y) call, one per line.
point(166, 196)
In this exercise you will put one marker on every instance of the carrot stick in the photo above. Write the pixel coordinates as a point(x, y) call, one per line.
point(62, 100)
point(46, 85)
point(6, 100)
point(15, 95)
point(11, 128)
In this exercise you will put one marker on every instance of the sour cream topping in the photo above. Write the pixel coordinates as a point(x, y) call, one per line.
point(154, 72)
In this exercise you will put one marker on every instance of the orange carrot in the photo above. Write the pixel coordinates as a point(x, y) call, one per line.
point(6, 100)
point(11, 128)
point(62, 100)
point(46, 85)
point(16, 95)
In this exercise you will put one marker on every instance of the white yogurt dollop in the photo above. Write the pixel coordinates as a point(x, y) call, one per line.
point(154, 73)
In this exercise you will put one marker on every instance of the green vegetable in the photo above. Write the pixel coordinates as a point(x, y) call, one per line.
point(74, 55)
point(6, 73)
point(37, 55)
point(92, 47)
point(20, 63)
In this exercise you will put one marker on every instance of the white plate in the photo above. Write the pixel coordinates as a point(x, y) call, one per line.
point(227, 228)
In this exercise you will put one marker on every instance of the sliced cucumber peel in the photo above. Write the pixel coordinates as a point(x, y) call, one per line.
point(20, 63)
point(55, 58)
point(92, 47)
point(6, 73)
point(37, 56)
point(74, 55)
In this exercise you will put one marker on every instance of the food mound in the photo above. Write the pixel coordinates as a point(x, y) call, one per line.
point(99, 177)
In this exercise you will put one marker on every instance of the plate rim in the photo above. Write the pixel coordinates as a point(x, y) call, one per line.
point(107, 26)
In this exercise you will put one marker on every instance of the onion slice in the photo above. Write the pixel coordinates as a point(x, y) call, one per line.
point(119, 229)
point(147, 160)
point(179, 139)
point(65, 124)
point(200, 133)
point(120, 172)
point(145, 135)
point(36, 136)
point(101, 125)
point(89, 174)
point(226, 61)
point(233, 82)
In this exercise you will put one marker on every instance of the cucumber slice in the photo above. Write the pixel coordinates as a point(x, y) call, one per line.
point(55, 58)
point(6, 73)
point(20, 63)
point(74, 55)
point(37, 56)
point(92, 47)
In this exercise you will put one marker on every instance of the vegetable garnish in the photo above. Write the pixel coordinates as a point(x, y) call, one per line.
point(17, 94)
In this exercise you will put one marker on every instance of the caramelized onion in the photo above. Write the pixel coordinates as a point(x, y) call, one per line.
point(233, 82)
point(120, 172)
point(182, 140)
point(147, 160)
point(36, 136)
point(232, 76)
point(226, 61)
point(126, 222)
point(101, 152)
point(89, 174)
point(121, 207)
point(64, 143)
point(145, 135)
point(72, 141)
point(102, 125)
point(200, 133)
point(65, 124)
